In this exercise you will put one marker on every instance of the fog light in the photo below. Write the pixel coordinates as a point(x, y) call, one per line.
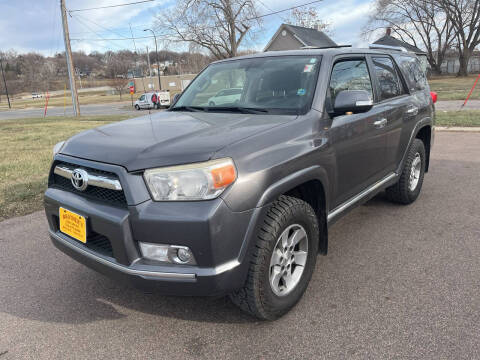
point(167, 253)
point(184, 255)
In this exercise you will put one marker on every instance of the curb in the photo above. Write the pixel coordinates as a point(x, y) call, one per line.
point(472, 129)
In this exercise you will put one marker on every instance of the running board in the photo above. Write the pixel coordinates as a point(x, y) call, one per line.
point(352, 201)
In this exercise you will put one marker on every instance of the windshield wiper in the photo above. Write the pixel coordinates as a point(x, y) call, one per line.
point(188, 108)
point(239, 109)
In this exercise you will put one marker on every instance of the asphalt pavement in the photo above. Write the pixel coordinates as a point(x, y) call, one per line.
point(399, 282)
point(94, 109)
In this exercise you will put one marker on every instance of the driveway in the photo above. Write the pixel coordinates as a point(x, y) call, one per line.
point(398, 282)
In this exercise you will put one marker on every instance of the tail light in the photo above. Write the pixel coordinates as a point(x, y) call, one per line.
point(434, 96)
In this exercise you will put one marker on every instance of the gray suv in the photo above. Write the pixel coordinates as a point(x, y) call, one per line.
point(237, 198)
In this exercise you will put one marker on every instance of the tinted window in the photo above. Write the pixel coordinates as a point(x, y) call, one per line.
point(388, 80)
point(142, 97)
point(349, 75)
point(412, 69)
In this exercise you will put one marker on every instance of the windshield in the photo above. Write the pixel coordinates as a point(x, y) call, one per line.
point(268, 85)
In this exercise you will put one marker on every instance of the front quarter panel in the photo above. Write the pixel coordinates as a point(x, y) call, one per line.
point(272, 163)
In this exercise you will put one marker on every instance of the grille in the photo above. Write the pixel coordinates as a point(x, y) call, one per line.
point(100, 244)
point(112, 197)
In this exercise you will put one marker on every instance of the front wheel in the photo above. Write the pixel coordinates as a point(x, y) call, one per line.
point(283, 260)
point(137, 107)
point(408, 187)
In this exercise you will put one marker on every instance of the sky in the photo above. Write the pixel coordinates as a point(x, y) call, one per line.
point(28, 25)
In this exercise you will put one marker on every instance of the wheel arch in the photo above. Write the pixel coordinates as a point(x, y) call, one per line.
point(424, 133)
point(309, 185)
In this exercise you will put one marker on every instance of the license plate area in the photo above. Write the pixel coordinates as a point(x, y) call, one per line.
point(73, 224)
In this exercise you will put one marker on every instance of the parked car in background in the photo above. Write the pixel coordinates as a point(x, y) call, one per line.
point(239, 199)
point(36, 95)
point(227, 96)
point(153, 100)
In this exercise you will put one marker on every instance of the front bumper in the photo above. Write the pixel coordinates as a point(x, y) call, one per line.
point(218, 237)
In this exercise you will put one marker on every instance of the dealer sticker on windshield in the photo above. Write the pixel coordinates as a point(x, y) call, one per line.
point(308, 68)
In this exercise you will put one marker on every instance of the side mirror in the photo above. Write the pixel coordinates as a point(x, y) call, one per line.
point(176, 97)
point(354, 101)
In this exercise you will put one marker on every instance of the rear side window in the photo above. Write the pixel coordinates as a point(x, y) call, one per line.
point(412, 70)
point(349, 75)
point(388, 80)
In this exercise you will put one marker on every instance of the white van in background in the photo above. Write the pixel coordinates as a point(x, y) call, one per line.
point(153, 100)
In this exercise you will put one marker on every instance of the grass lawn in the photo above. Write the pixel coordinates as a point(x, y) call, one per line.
point(454, 88)
point(26, 154)
point(465, 118)
point(59, 100)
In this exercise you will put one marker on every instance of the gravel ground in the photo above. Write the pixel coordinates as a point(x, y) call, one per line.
point(398, 282)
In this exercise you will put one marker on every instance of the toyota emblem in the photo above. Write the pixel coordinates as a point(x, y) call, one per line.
point(79, 179)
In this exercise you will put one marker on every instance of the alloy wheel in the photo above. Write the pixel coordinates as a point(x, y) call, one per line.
point(415, 172)
point(288, 260)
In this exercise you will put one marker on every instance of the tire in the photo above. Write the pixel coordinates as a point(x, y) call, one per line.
point(137, 107)
point(211, 103)
point(409, 185)
point(259, 297)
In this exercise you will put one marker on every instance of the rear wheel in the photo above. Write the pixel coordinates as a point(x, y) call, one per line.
point(283, 260)
point(408, 187)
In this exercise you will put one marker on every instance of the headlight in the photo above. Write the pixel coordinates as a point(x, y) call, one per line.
point(58, 147)
point(201, 181)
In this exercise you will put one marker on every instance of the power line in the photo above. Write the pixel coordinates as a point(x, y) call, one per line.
point(212, 27)
point(280, 11)
point(270, 9)
point(111, 6)
point(101, 38)
point(113, 39)
point(102, 27)
point(119, 28)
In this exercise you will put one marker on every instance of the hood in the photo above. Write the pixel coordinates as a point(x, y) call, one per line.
point(167, 138)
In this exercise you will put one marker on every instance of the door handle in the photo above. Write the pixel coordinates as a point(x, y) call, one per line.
point(412, 110)
point(380, 123)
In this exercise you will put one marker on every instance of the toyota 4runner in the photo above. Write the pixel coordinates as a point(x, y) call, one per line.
point(237, 198)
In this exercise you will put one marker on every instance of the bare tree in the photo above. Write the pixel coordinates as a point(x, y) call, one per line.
point(465, 18)
point(418, 22)
point(309, 18)
point(119, 84)
point(220, 26)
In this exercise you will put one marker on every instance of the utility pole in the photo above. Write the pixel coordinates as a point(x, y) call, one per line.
point(5, 83)
point(156, 53)
point(68, 54)
point(148, 62)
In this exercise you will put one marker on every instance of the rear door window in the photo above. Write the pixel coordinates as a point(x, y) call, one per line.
point(389, 83)
point(412, 70)
point(349, 74)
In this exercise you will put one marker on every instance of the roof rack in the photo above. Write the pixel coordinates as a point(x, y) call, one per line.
point(325, 47)
point(387, 47)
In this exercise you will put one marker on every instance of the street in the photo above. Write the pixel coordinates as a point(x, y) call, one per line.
point(398, 282)
point(94, 109)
